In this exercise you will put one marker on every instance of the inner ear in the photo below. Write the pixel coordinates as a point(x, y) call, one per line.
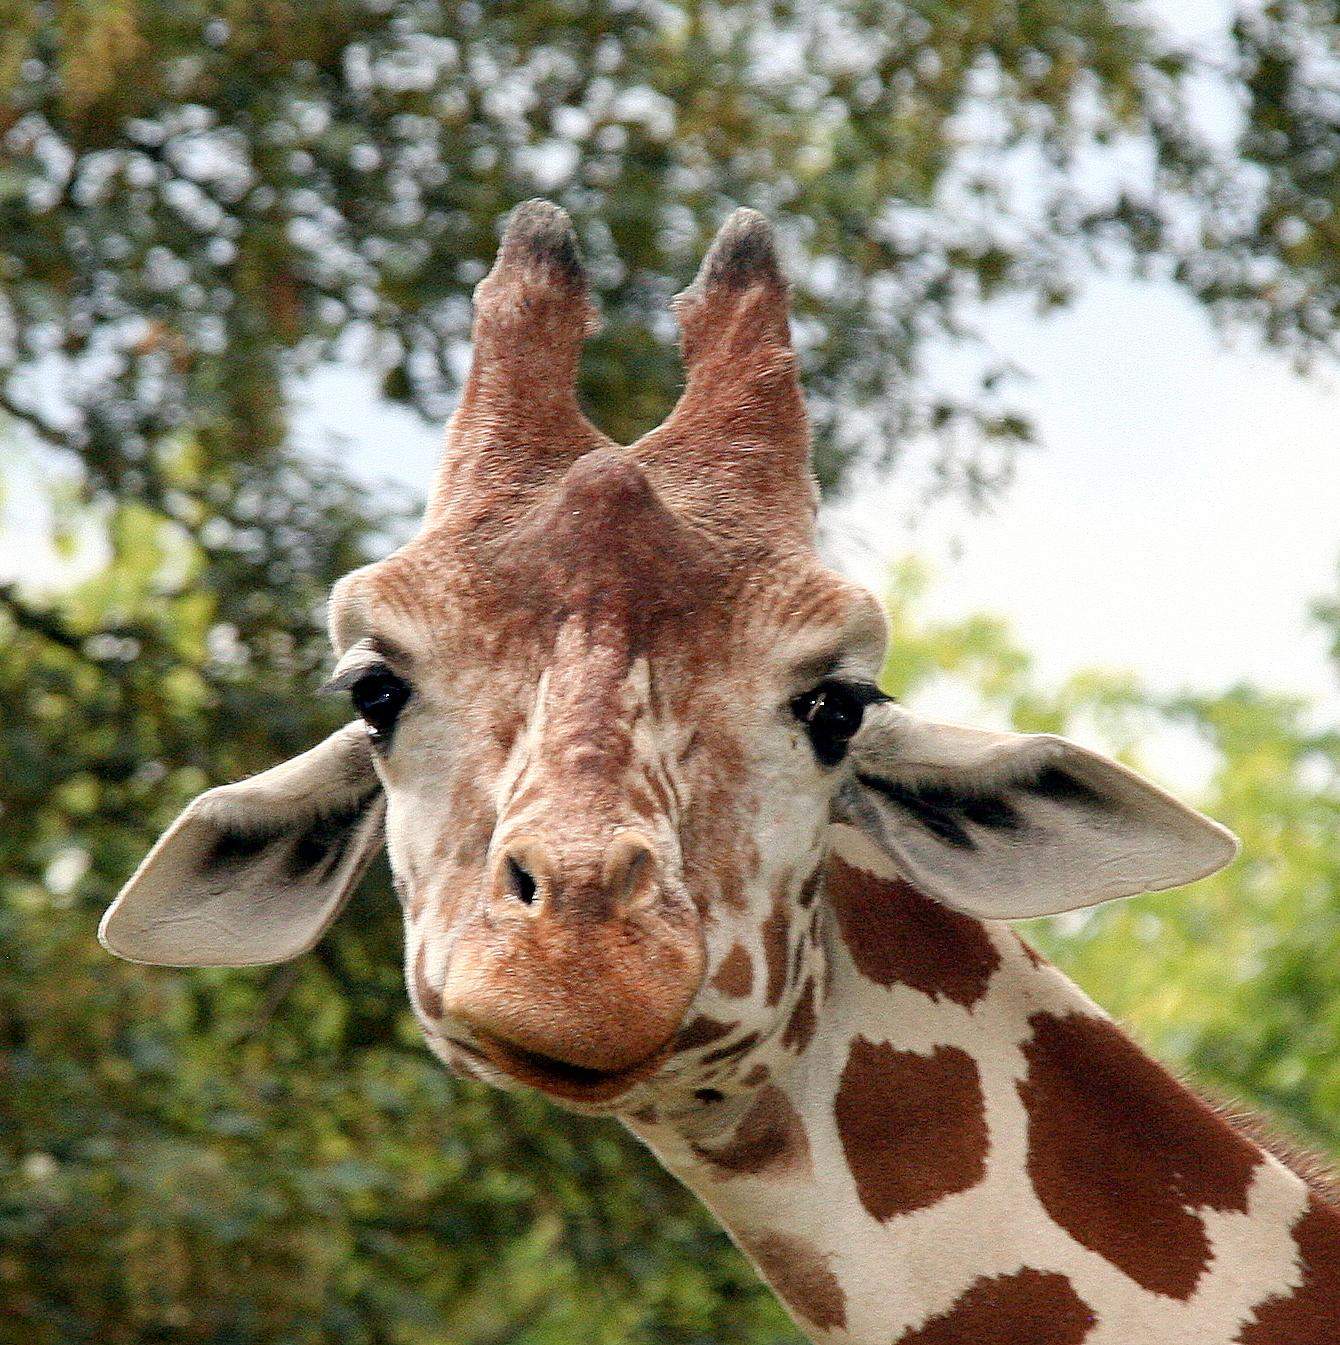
point(256, 871)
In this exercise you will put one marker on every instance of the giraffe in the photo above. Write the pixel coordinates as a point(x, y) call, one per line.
point(665, 851)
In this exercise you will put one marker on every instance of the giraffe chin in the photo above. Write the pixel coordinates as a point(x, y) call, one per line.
point(572, 1083)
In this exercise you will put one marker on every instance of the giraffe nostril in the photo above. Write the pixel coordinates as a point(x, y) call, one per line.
point(520, 882)
point(630, 868)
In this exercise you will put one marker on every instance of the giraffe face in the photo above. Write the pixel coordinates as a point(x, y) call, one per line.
point(606, 691)
point(606, 777)
point(614, 709)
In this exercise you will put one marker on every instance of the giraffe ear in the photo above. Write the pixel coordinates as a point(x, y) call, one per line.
point(1009, 825)
point(256, 871)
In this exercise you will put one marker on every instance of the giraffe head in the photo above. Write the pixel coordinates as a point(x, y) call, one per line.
point(611, 708)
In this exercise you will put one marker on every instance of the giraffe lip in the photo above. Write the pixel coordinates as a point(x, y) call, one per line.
point(577, 1083)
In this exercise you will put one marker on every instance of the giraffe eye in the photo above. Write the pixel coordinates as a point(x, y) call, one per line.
point(831, 714)
point(379, 696)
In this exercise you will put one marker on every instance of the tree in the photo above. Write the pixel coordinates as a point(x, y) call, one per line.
point(200, 197)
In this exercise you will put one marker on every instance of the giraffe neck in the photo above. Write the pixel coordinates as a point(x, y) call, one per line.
point(968, 1152)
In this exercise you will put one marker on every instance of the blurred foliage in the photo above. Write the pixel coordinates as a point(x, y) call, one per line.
point(201, 201)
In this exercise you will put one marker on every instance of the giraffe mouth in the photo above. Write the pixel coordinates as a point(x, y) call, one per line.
point(575, 1083)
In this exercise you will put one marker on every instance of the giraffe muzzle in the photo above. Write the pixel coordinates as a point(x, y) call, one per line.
point(580, 967)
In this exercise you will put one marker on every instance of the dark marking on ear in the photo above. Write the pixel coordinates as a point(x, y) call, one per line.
point(319, 844)
point(1062, 787)
point(314, 854)
point(931, 807)
point(322, 846)
point(235, 846)
point(992, 810)
point(943, 811)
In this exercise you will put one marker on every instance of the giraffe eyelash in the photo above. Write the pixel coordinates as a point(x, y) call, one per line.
point(369, 655)
point(344, 678)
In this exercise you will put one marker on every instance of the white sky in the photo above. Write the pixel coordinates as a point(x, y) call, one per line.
point(1180, 515)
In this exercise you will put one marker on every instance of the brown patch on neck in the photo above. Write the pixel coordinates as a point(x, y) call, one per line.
point(701, 1032)
point(1119, 1153)
point(734, 978)
point(770, 1140)
point(809, 889)
point(913, 1127)
point(1309, 1314)
point(801, 1276)
point(733, 1051)
point(1309, 1167)
point(896, 936)
point(1029, 1308)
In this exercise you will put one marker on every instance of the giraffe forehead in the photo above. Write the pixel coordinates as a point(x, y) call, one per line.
point(592, 580)
point(560, 591)
point(603, 540)
point(603, 546)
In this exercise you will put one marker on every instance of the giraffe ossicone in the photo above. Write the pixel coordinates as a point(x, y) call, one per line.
point(666, 852)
